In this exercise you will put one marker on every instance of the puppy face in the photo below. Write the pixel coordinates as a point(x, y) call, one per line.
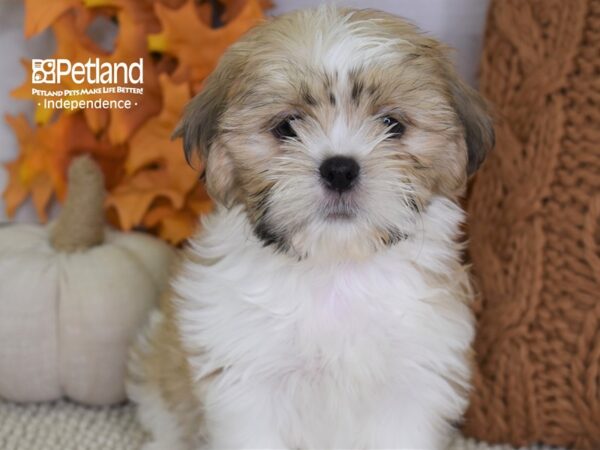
point(334, 129)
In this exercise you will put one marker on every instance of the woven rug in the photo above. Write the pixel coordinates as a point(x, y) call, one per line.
point(66, 426)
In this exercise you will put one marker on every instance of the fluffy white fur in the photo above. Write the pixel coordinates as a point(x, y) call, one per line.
point(347, 355)
point(337, 356)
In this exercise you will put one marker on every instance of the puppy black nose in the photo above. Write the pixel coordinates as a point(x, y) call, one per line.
point(339, 172)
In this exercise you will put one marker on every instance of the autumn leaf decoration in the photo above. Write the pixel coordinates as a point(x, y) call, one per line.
point(150, 185)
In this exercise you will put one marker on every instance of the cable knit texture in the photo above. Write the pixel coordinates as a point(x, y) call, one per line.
point(535, 228)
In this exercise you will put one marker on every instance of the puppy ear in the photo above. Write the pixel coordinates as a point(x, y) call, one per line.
point(474, 115)
point(200, 129)
point(199, 124)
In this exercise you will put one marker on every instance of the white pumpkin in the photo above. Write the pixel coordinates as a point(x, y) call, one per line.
point(72, 296)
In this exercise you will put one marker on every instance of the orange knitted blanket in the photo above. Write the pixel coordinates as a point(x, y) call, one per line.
point(535, 228)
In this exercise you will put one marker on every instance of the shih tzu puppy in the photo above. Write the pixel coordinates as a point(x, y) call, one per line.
point(324, 304)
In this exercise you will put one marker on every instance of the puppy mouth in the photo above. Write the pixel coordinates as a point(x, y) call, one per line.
point(339, 209)
point(335, 216)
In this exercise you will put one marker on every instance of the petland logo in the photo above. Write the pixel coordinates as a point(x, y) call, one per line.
point(52, 71)
point(98, 85)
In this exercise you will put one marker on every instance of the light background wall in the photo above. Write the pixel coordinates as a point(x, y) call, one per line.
point(459, 23)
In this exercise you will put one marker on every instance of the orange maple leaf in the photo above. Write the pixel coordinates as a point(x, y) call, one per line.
point(132, 198)
point(175, 225)
point(139, 11)
point(229, 9)
point(155, 193)
point(196, 45)
point(21, 185)
point(39, 14)
point(45, 153)
point(172, 225)
point(152, 143)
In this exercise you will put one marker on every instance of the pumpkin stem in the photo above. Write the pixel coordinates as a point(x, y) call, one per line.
point(80, 224)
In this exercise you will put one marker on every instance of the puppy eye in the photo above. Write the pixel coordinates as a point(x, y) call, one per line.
point(394, 128)
point(285, 129)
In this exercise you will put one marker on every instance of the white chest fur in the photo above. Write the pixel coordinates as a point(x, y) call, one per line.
point(356, 354)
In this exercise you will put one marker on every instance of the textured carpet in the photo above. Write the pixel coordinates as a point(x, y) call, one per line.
point(66, 426)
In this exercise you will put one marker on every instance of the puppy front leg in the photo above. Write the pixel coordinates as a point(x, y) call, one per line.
point(406, 424)
point(242, 421)
point(245, 431)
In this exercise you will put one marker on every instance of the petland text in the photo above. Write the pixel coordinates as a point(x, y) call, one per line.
point(52, 71)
